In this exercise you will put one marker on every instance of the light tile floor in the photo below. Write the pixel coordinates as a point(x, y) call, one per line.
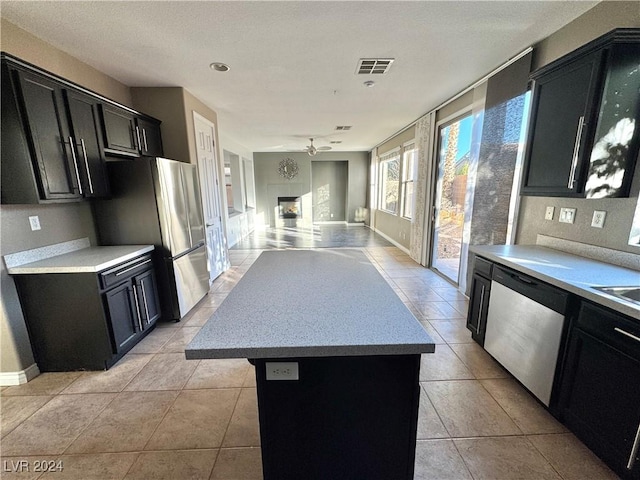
point(155, 415)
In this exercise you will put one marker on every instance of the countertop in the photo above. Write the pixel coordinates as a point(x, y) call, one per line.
point(310, 303)
point(89, 259)
point(569, 272)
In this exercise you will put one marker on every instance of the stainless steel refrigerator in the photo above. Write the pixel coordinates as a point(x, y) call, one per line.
point(157, 201)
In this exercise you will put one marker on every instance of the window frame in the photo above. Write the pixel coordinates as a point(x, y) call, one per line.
point(407, 176)
point(384, 159)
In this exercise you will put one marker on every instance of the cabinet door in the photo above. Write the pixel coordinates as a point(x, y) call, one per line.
point(562, 110)
point(49, 137)
point(150, 138)
point(120, 135)
point(600, 399)
point(123, 316)
point(477, 315)
point(85, 130)
point(147, 297)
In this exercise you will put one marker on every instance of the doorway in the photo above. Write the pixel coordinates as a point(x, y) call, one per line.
point(329, 180)
point(454, 149)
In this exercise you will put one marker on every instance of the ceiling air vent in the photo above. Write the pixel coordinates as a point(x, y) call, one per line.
point(335, 141)
point(343, 127)
point(376, 66)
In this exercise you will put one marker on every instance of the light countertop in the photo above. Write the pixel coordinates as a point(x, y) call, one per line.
point(569, 272)
point(310, 303)
point(89, 259)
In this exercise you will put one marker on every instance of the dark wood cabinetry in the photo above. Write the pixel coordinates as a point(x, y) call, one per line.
point(582, 141)
point(50, 140)
point(56, 135)
point(600, 389)
point(127, 134)
point(479, 303)
point(84, 321)
point(87, 150)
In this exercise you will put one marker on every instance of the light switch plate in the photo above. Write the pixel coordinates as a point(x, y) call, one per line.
point(282, 370)
point(548, 214)
point(567, 215)
point(598, 218)
point(35, 223)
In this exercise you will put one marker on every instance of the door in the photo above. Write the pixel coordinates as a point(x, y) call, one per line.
point(51, 141)
point(148, 294)
point(120, 135)
point(150, 138)
point(211, 200)
point(174, 217)
point(123, 315)
point(450, 198)
point(85, 128)
point(562, 106)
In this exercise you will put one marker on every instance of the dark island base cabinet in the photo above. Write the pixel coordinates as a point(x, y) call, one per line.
point(345, 418)
point(600, 390)
point(88, 321)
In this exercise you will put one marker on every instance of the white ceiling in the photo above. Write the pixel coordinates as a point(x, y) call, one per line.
point(293, 63)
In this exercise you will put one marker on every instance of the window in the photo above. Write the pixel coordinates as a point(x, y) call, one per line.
point(408, 172)
point(389, 181)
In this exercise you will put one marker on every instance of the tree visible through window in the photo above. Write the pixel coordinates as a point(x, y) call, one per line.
point(390, 183)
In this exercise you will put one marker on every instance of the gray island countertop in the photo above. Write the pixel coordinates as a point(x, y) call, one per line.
point(569, 272)
point(75, 256)
point(310, 303)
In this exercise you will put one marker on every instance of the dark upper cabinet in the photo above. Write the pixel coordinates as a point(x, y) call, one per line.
point(130, 135)
point(119, 131)
point(600, 388)
point(584, 135)
point(37, 159)
point(150, 137)
point(87, 148)
point(51, 144)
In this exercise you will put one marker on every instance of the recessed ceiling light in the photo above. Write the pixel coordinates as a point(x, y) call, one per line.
point(219, 67)
point(369, 83)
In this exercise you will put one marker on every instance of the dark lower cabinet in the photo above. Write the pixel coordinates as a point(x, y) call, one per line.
point(88, 321)
point(600, 389)
point(479, 299)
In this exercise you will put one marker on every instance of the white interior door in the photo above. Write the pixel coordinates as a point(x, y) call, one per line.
point(211, 200)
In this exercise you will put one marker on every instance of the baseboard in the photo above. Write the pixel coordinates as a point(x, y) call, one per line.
point(389, 239)
point(330, 222)
point(20, 377)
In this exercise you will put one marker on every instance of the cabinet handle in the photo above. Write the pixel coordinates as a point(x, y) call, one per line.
point(480, 310)
point(634, 450)
point(135, 297)
point(144, 300)
point(576, 152)
point(630, 335)
point(138, 135)
point(144, 138)
point(131, 268)
point(86, 164)
point(75, 163)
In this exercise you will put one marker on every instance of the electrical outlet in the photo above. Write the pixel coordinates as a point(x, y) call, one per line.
point(567, 215)
point(548, 214)
point(282, 370)
point(598, 218)
point(35, 223)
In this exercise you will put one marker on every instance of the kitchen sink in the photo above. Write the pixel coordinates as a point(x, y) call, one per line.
point(627, 293)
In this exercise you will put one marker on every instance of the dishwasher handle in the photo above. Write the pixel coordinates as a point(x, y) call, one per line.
point(537, 290)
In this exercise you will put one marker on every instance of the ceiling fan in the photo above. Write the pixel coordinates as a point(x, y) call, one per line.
point(311, 150)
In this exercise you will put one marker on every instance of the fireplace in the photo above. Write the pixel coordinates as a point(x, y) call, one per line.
point(289, 207)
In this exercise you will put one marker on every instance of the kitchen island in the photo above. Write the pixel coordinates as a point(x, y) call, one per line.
point(337, 357)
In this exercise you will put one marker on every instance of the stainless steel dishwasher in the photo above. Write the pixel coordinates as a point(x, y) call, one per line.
point(525, 321)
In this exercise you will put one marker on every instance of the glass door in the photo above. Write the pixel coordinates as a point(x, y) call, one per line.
point(454, 140)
